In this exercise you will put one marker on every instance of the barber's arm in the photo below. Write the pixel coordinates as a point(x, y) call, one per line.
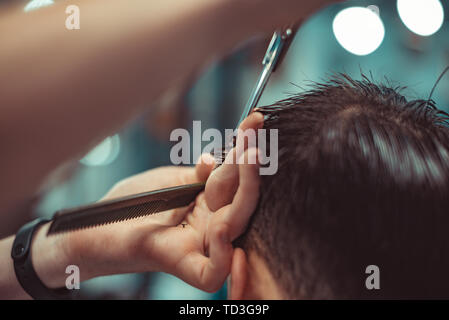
point(62, 90)
point(191, 243)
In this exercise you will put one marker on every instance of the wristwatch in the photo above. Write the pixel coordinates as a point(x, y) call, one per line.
point(23, 266)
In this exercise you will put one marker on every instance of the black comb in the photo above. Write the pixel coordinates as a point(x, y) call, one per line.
point(125, 208)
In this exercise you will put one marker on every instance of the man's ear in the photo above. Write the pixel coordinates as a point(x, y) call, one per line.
point(239, 276)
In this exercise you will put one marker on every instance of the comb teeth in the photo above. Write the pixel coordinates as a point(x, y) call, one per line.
point(124, 208)
point(81, 221)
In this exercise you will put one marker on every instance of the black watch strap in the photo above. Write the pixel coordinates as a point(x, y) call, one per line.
point(23, 266)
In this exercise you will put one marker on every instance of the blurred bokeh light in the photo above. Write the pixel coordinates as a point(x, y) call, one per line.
point(359, 30)
point(423, 17)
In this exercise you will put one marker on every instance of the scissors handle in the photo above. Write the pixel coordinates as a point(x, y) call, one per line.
point(288, 34)
point(280, 42)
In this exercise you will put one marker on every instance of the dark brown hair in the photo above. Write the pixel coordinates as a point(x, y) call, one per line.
point(363, 179)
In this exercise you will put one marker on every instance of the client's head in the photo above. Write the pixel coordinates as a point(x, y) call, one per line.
point(363, 179)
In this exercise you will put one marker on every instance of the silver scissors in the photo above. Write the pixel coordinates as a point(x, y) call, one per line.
point(276, 51)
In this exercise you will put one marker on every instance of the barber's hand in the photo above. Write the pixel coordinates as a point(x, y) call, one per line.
point(192, 243)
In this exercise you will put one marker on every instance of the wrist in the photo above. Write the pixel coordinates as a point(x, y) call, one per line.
point(51, 256)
